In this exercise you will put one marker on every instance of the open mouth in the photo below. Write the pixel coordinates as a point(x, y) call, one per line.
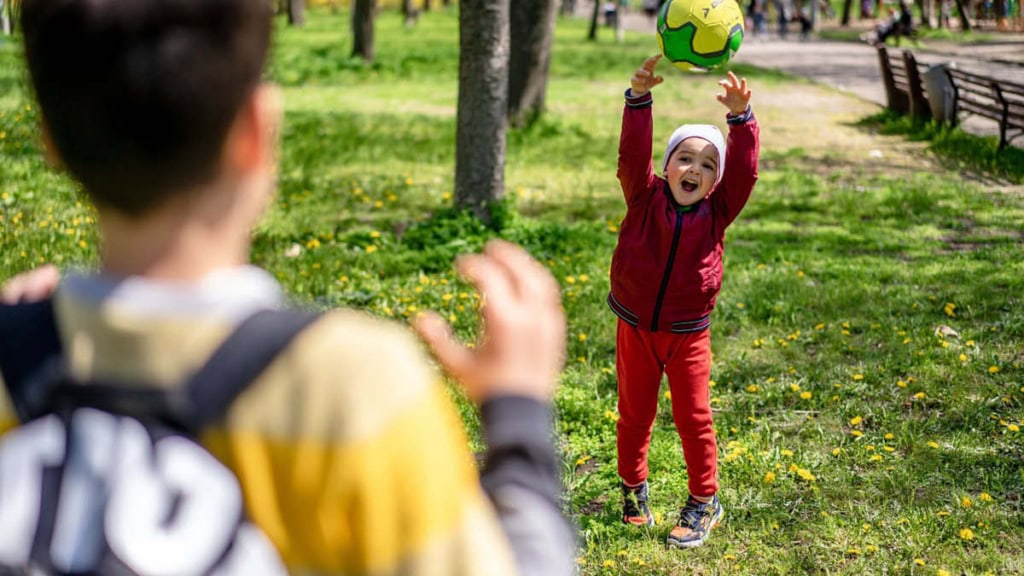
point(688, 186)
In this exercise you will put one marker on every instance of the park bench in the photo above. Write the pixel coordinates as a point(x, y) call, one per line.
point(901, 74)
point(998, 100)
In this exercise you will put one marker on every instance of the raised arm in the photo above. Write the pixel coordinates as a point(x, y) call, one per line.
point(512, 374)
point(635, 168)
point(742, 150)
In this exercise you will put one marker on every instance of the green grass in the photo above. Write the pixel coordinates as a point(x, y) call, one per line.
point(837, 275)
point(978, 154)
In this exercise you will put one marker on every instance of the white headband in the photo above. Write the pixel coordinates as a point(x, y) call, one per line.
point(706, 131)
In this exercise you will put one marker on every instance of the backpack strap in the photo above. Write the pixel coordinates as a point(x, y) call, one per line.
point(201, 401)
point(239, 361)
point(28, 339)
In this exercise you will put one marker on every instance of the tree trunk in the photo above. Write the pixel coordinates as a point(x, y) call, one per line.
point(409, 13)
point(847, 5)
point(5, 24)
point(532, 26)
point(362, 29)
point(483, 93)
point(592, 35)
point(296, 12)
point(426, 5)
point(965, 22)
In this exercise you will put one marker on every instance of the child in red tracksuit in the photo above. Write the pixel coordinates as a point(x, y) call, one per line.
point(665, 276)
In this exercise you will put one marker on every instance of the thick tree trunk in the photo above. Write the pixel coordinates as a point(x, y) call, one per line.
point(532, 27)
point(296, 12)
point(362, 29)
point(592, 35)
point(426, 5)
point(965, 21)
point(483, 101)
point(847, 5)
point(409, 13)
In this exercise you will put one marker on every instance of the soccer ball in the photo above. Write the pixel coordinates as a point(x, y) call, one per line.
point(700, 34)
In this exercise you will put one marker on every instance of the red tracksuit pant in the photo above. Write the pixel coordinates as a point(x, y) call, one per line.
point(641, 358)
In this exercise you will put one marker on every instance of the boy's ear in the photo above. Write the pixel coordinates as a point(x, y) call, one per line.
point(252, 140)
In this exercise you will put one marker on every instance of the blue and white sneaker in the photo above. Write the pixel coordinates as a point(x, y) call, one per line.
point(634, 505)
point(696, 520)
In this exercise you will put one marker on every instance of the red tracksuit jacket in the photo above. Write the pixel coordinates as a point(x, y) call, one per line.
point(667, 268)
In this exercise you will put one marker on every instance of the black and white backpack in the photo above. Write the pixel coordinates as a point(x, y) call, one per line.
point(103, 478)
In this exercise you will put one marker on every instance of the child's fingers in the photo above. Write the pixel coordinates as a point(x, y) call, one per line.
point(658, 80)
point(732, 79)
point(651, 62)
point(455, 358)
point(743, 86)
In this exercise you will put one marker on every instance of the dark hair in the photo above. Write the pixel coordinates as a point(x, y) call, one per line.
point(138, 95)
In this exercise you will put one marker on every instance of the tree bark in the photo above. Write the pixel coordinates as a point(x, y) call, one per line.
point(847, 5)
point(362, 29)
point(532, 26)
point(483, 101)
point(592, 35)
point(965, 22)
point(426, 5)
point(296, 12)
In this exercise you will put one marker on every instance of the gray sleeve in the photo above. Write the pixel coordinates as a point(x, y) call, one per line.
point(521, 479)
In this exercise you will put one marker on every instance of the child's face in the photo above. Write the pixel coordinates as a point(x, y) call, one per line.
point(691, 170)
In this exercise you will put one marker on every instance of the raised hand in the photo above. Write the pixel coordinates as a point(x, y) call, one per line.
point(644, 79)
point(522, 348)
point(737, 95)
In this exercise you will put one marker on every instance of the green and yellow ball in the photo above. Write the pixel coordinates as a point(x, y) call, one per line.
point(700, 35)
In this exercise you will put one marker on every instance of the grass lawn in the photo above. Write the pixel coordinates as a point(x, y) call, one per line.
point(867, 383)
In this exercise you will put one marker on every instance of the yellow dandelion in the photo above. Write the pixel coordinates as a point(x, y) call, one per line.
point(993, 369)
point(1013, 428)
point(856, 420)
point(966, 534)
point(869, 447)
point(787, 452)
point(858, 377)
point(966, 502)
point(969, 343)
point(919, 561)
point(942, 572)
point(853, 551)
point(819, 326)
point(985, 497)
point(668, 394)
point(582, 460)
point(608, 564)
point(875, 458)
point(741, 305)
point(933, 444)
point(805, 395)
point(856, 433)
point(836, 451)
point(888, 436)
point(611, 415)
point(371, 249)
point(901, 384)
point(622, 553)
point(752, 388)
point(582, 337)
point(871, 548)
point(712, 383)
point(888, 448)
point(920, 395)
point(806, 475)
point(583, 278)
point(769, 477)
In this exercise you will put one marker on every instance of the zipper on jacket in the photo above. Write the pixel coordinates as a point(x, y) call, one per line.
point(668, 270)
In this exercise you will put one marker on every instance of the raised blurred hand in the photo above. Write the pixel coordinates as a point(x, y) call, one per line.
point(521, 350)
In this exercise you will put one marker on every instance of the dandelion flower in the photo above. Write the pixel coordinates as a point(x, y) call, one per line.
point(1013, 428)
point(920, 395)
point(889, 436)
point(752, 388)
point(787, 452)
point(966, 502)
point(856, 433)
point(985, 497)
point(933, 444)
point(805, 395)
point(836, 451)
point(919, 561)
point(856, 420)
point(769, 477)
point(966, 534)
point(993, 369)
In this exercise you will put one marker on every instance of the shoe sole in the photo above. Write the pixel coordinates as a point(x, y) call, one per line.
point(649, 522)
point(695, 543)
